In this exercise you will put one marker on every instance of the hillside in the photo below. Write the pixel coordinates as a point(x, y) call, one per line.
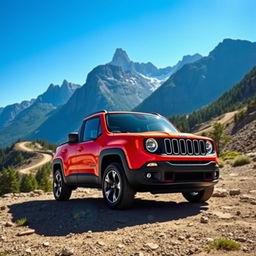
point(233, 99)
point(33, 113)
point(202, 82)
point(156, 225)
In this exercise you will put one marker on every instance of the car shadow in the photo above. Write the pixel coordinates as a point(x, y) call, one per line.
point(52, 218)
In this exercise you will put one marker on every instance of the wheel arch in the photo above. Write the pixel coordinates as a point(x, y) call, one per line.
point(109, 156)
point(57, 164)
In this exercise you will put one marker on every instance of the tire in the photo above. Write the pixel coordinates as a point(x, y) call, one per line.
point(117, 192)
point(200, 196)
point(61, 190)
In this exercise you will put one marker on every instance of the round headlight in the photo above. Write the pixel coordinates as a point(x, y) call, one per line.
point(208, 147)
point(151, 145)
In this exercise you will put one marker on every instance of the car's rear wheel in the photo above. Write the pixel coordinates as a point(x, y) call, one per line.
point(117, 192)
point(61, 190)
point(200, 196)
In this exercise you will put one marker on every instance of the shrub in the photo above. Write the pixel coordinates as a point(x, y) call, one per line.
point(223, 244)
point(241, 160)
point(22, 222)
point(229, 155)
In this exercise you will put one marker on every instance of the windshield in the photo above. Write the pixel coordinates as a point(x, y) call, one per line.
point(138, 122)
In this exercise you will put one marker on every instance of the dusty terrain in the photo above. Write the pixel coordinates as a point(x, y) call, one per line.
point(41, 157)
point(156, 225)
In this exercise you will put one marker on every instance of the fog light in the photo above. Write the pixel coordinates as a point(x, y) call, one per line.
point(148, 175)
point(152, 165)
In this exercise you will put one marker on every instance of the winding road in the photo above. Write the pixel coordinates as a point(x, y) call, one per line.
point(46, 157)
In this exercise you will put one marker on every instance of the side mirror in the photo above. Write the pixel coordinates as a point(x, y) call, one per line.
point(73, 137)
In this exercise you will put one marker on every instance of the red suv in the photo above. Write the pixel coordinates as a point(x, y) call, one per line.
point(128, 152)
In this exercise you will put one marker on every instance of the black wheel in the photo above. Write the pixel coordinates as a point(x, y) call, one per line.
point(61, 191)
point(116, 190)
point(200, 196)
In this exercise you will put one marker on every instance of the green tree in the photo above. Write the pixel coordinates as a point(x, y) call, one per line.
point(217, 133)
point(43, 178)
point(28, 183)
point(9, 181)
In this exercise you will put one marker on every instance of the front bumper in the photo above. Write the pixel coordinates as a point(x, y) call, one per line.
point(174, 176)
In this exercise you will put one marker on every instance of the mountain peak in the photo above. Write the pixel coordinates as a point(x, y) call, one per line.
point(120, 58)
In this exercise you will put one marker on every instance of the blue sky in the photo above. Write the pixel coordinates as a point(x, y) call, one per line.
point(47, 41)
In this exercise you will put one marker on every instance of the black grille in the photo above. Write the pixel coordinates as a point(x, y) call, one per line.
point(184, 147)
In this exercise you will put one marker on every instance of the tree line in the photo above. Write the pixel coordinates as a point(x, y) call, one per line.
point(13, 182)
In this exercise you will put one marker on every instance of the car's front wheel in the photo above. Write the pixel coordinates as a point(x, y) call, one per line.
point(200, 196)
point(61, 191)
point(116, 190)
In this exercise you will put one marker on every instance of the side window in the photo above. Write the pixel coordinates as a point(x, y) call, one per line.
point(92, 129)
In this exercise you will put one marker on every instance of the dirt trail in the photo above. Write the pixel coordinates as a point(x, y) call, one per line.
point(43, 159)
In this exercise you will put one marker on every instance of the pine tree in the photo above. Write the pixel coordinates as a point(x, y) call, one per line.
point(9, 181)
point(218, 135)
point(43, 178)
point(28, 183)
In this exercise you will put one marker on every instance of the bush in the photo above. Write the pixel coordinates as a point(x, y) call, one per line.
point(241, 160)
point(28, 183)
point(229, 155)
point(22, 222)
point(9, 181)
point(43, 178)
point(223, 244)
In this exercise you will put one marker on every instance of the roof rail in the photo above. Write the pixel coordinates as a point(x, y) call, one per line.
point(155, 113)
point(100, 111)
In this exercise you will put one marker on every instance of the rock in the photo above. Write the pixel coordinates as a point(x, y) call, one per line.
point(191, 239)
point(204, 220)
point(221, 192)
point(28, 251)
point(252, 191)
point(241, 239)
point(8, 195)
point(38, 192)
point(238, 213)
point(209, 239)
point(2, 238)
point(152, 246)
point(120, 246)
point(26, 233)
point(46, 244)
point(246, 198)
point(2, 207)
point(190, 224)
point(181, 238)
point(138, 254)
point(162, 235)
point(253, 202)
point(235, 192)
point(66, 251)
point(8, 224)
point(100, 243)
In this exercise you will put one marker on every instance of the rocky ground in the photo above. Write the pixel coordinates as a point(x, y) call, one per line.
point(156, 225)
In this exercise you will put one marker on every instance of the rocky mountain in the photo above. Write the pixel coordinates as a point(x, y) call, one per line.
point(34, 112)
point(8, 113)
point(231, 100)
point(199, 83)
point(121, 59)
point(107, 87)
point(57, 95)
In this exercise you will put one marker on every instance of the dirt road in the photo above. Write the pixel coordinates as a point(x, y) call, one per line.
point(41, 160)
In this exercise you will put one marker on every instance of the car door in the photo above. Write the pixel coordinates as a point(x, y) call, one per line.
point(88, 149)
